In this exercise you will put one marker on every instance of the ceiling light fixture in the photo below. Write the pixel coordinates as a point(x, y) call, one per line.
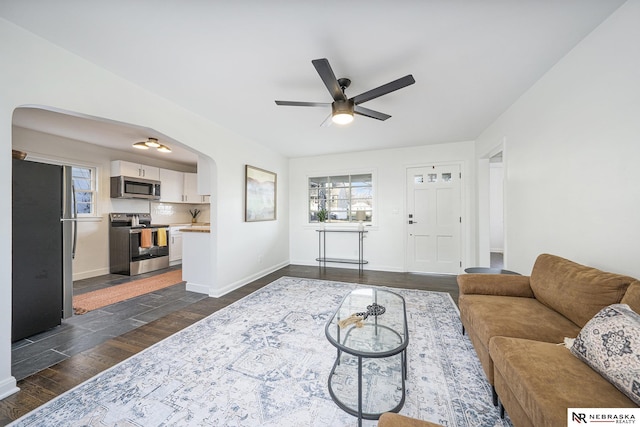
point(152, 143)
point(342, 112)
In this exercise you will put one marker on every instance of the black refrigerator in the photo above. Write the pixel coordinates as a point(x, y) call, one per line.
point(43, 240)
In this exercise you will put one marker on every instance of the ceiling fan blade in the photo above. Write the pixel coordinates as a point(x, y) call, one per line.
point(384, 89)
point(329, 78)
point(304, 104)
point(327, 122)
point(370, 113)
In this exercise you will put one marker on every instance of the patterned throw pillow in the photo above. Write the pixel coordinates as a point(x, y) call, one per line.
point(610, 344)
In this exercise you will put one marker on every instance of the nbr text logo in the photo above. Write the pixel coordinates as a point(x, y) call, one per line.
point(579, 417)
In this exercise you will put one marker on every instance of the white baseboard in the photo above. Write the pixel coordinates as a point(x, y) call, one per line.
point(90, 274)
point(369, 266)
point(8, 387)
point(194, 287)
point(240, 283)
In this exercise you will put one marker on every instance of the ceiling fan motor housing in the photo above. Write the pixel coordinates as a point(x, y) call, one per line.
point(342, 107)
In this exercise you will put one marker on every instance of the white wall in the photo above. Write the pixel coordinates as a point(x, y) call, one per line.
point(384, 246)
point(35, 72)
point(572, 175)
point(496, 207)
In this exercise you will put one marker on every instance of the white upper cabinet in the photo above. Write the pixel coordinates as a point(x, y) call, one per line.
point(180, 187)
point(122, 168)
point(171, 186)
point(191, 188)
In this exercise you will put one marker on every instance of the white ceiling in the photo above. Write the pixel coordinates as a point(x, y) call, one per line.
point(229, 60)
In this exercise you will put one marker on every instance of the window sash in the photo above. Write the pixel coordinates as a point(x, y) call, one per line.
point(84, 183)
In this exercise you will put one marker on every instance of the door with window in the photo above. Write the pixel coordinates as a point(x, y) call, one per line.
point(434, 220)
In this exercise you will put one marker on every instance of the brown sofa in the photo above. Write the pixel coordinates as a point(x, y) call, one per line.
point(517, 325)
point(390, 419)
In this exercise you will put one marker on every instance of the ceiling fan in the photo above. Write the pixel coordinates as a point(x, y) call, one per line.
point(343, 108)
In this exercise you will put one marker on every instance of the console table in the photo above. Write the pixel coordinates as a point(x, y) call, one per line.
point(322, 249)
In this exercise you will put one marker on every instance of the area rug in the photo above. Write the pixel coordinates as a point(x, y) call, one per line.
point(103, 297)
point(265, 360)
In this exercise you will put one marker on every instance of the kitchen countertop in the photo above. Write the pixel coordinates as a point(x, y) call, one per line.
point(197, 229)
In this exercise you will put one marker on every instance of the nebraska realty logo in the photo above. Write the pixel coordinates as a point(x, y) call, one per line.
point(582, 416)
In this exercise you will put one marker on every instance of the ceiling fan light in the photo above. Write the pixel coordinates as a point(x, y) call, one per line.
point(152, 142)
point(141, 146)
point(164, 149)
point(342, 118)
point(342, 112)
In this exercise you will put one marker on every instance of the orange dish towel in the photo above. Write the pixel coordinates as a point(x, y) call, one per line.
point(162, 237)
point(145, 238)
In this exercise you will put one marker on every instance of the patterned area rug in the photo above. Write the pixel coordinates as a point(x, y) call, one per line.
point(265, 361)
point(84, 303)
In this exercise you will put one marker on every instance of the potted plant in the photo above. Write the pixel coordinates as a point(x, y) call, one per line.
point(194, 215)
point(322, 216)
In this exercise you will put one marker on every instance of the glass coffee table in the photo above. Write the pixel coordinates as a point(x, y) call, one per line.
point(369, 329)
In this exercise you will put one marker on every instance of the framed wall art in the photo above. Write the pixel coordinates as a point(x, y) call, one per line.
point(259, 194)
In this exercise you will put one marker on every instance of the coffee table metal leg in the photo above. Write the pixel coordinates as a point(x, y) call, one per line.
point(359, 391)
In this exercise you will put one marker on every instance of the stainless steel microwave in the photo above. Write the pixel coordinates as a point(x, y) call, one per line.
point(126, 187)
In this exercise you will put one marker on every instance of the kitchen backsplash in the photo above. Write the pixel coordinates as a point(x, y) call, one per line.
point(178, 213)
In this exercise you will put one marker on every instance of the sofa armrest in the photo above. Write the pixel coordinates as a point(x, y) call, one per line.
point(508, 285)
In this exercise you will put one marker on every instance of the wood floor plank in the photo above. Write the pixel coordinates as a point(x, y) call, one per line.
point(51, 382)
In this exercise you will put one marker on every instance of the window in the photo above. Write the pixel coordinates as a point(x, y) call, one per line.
point(346, 198)
point(84, 187)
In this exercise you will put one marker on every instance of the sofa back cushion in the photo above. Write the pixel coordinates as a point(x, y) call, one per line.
point(576, 291)
point(632, 296)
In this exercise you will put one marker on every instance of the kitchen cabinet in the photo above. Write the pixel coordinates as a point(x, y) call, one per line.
point(197, 269)
point(123, 168)
point(175, 244)
point(171, 186)
point(191, 188)
point(180, 187)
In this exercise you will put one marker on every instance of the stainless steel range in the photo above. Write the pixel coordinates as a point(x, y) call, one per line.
point(135, 245)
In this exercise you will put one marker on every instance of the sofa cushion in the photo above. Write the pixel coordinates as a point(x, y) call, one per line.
point(491, 316)
point(576, 291)
point(610, 344)
point(487, 316)
point(546, 379)
point(632, 296)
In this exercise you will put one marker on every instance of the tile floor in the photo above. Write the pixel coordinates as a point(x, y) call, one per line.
point(81, 332)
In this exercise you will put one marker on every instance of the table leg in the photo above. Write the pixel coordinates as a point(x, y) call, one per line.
point(359, 391)
point(324, 250)
point(360, 252)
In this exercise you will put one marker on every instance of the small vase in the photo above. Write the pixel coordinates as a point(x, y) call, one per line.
point(193, 220)
point(321, 225)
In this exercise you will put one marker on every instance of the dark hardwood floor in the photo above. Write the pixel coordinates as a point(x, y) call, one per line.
point(43, 386)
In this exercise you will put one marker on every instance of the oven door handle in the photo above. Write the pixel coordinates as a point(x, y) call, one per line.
point(139, 230)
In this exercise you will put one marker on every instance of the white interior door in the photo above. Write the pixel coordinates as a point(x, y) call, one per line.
point(434, 221)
